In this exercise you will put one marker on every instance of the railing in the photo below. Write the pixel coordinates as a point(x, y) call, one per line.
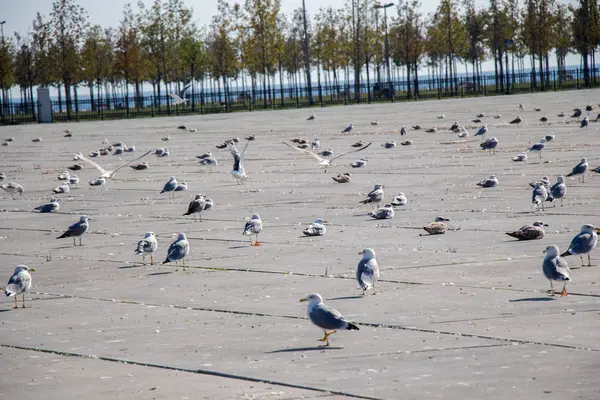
point(281, 97)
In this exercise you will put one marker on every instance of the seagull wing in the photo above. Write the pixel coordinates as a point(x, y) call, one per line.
point(349, 152)
point(94, 164)
point(176, 97)
point(245, 147)
point(129, 162)
point(320, 159)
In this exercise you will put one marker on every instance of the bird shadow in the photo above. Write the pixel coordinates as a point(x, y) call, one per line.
point(131, 266)
point(346, 298)
point(6, 309)
point(159, 273)
point(239, 247)
point(301, 349)
point(532, 299)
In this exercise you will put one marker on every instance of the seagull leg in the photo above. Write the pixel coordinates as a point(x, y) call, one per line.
point(326, 337)
point(257, 243)
point(80, 241)
point(561, 202)
point(16, 305)
point(74, 242)
point(151, 260)
point(589, 260)
point(551, 293)
point(564, 291)
point(580, 256)
point(23, 300)
point(183, 263)
point(143, 259)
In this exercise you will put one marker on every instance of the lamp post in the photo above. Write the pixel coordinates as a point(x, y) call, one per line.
point(2, 29)
point(387, 43)
point(307, 54)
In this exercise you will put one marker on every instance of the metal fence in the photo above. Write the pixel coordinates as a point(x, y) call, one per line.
point(285, 96)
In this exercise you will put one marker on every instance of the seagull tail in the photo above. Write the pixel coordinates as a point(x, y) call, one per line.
point(570, 174)
point(166, 261)
point(352, 326)
point(513, 234)
point(566, 253)
point(64, 235)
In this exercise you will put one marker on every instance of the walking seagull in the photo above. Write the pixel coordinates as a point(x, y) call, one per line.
point(254, 226)
point(109, 174)
point(147, 245)
point(325, 317)
point(238, 171)
point(323, 161)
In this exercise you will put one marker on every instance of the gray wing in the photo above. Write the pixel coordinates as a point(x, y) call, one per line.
point(76, 229)
point(46, 208)
point(558, 190)
point(579, 169)
point(169, 187)
point(582, 243)
point(327, 318)
point(556, 269)
point(177, 251)
point(195, 206)
point(352, 151)
point(237, 158)
point(367, 273)
point(17, 284)
point(375, 195)
point(129, 162)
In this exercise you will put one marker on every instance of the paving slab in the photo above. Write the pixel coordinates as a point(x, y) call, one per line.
point(460, 315)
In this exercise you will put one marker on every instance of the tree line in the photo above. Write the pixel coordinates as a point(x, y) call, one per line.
point(255, 45)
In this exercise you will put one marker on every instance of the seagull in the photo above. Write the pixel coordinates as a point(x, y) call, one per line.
point(360, 163)
point(584, 123)
point(538, 147)
point(342, 178)
point(403, 131)
point(577, 113)
point(561, 114)
point(442, 116)
point(558, 190)
point(37, 139)
point(431, 130)
point(109, 174)
point(539, 195)
point(555, 269)
point(64, 176)
point(348, 129)
point(520, 157)
point(360, 143)
point(326, 153)
point(165, 138)
point(251, 137)
point(406, 142)
point(147, 245)
point(589, 108)
point(480, 115)
point(210, 160)
point(77, 229)
point(323, 161)
point(584, 242)
point(497, 116)
point(170, 186)
point(521, 106)
point(178, 99)
point(454, 126)
point(311, 118)
point(197, 206)
point(482, 131)
point(400, 200)
point(490, 144)
point(76, 167)
point(367, 271)
point(375, 196)
point(2, 176)
point(19, 283)
point(62, 188)
point(517, 120)
point(317, 228)
point(437, 227)
point(315, 144)
point(385, 212)
point(325, 317)
point(181, 187)
point(375, 122)
point(537, 109)
point(544, 119)
point(390, 144)
point(253, 226)
point(476, 120)
point(74, 180)
point(178, 250)
point(100, 181)
point(48, 207)
point(529, 232)
point(580, 169)
point(141, 166)
point(549, 137)
point(492, 181)
point(238, 171)
point(12, 188)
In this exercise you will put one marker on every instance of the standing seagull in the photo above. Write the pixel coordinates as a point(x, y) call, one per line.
point(482, 131)
point(558, 190)
point(325, 317)
point(348, 129)
point(555, 269)
point(147, 245)
point(367, 271)
point(108, 174)
point(538, 147)
point(323, 161)
point(19, 283)
point(253, 226)
point(77, 229)
point(178, 250)
point(584, 242)
point(490, 144)
point(238, 171)
point(517, 120)
point(197, 206)
point(584, 123)
point(311, 118)
point(539, 195)
point(375, 196)
point(170, 187)
point(580, 169)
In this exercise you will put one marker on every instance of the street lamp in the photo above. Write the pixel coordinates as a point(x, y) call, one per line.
point(2, 29)
point(387, 43)
point(307, 55)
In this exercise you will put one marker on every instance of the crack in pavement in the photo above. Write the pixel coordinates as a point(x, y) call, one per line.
point(294, 317)
point(193, 371)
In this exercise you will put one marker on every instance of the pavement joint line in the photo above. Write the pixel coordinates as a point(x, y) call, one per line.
point(439, 349)
point(293, 317)
point(193, 371)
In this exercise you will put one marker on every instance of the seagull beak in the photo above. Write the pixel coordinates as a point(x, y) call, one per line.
point(326, 222)
point(546, 225)
point(361, 252)
point(32, 269)
point(544, 252)
point(304, 299)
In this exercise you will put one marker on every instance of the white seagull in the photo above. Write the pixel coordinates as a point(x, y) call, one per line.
point(109, 174)
point(238, 171)
point(324, 161)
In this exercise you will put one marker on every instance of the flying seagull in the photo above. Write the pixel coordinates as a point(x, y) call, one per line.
point(323, 161)
point(238, 171)
point(109, 174)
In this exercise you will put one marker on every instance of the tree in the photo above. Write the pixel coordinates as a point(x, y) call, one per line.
point(129, 62)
